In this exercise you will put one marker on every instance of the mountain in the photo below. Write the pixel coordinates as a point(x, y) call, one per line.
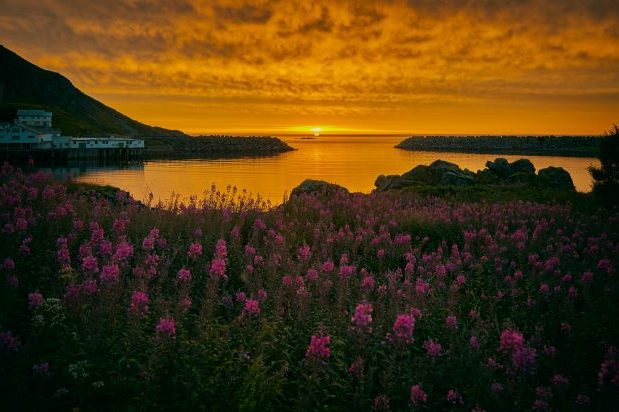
point(24, 85)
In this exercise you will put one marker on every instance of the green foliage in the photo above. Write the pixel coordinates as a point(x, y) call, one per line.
point(606, 177)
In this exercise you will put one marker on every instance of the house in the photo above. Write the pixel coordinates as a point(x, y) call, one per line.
point(34, 118)
point(32, 130)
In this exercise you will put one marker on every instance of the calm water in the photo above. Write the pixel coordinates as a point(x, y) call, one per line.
point(350, 161)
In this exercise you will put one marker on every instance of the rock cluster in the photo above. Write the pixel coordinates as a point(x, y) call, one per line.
point(317, 186)
point(498, 172)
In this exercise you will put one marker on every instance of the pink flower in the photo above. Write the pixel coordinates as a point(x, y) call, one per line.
point(474, 342)
point(583, 400)
point(318, 347)
point(251, 308)
point(139, 303)
point(123, 251)
point(381, 403)
point(356, 368)
point(327, 266)
point(166, 327)
point(368, 283)
point(511, 340)
point(249, 250)
point(418, 395)
point(218, 268)
point(432, 347)
point(184, 275)
point(451, 322)
point(8, 264)
point(35, 299)
point(195, 250)
point(403, 329)
point(523, 359)
point(346, 271)
point(454, 397)
point(90, 287)
point(312, 274)
point(586, 277)
point(110, 273)
point(560, 380)
point(304, 253)
point(221, 249)
point(262, 295)
point(363, 315)
point(90, 264)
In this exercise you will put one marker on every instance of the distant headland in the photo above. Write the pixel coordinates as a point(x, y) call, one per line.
point(578, 146)
point(24, 85)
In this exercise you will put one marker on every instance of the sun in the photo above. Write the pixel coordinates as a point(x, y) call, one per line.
point(316, 131)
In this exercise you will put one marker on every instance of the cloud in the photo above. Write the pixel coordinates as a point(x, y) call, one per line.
point(324, 57)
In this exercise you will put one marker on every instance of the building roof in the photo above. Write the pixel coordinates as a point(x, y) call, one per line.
point(33, 112)
point(114, 139)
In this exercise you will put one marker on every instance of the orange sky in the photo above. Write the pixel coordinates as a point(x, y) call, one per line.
point(268, 66)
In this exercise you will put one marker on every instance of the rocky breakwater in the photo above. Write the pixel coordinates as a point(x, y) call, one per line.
point(497, 173)
point(220, 146)
point(585, 146)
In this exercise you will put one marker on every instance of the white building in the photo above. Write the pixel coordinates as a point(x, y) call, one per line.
point(26, 136)
point(34, 118)
point(32, 130)
point(64, 142)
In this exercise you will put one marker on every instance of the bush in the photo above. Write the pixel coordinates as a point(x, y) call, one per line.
point(606, 177)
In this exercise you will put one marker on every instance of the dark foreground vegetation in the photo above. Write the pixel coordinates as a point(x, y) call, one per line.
point(425, 299)
point(584, 146)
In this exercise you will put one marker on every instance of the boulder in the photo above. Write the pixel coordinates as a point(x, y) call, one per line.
point(500, 167)
point(522, 166)
point(555, 178)
point(460, 178)
point(438, 172)
point(522, 179)
point(443, 165)
point(317, 186)
point(386, 182)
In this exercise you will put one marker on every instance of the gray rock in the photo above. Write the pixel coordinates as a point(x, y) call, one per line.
point(317, 186)
point(522, 166)
point(522, 178)
point(555, 178)
point(386, 182)
point(499, 167)
point(457, 179)
point(443, 165)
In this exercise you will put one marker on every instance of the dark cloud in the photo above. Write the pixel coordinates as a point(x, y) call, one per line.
point(361, 52)
point(247, 13)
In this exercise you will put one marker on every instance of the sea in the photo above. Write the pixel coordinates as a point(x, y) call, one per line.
point(350, 161)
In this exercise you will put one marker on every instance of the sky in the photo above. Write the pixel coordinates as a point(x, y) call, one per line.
point(276, 67)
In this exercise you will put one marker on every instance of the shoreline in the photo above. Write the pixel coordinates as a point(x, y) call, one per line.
point(568, 146)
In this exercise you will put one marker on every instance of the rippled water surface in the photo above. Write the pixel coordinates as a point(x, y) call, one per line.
point(350, 161)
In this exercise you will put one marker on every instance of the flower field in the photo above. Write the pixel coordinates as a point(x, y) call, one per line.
point(389, 301)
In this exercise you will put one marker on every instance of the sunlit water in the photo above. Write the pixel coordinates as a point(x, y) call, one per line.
point(351, 161)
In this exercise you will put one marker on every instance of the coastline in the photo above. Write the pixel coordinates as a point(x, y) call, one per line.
point(571, 146)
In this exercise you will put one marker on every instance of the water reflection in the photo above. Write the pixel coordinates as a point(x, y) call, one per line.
point(350, 161)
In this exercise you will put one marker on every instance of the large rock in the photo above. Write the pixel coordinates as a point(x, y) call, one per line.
point(317, 186)
point(522, 166)
point(439, 172)
point(457, 179)
point(499, 167)
point(386, 182)
point(555, 178)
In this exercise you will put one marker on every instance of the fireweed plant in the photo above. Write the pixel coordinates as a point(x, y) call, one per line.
point(387, 301)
